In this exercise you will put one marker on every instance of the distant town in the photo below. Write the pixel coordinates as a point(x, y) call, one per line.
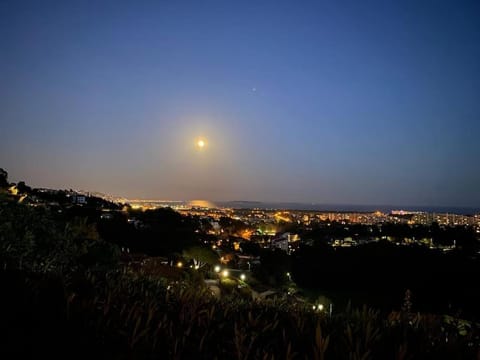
point(271, 227)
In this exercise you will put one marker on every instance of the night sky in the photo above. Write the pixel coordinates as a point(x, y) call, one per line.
point(353, 102)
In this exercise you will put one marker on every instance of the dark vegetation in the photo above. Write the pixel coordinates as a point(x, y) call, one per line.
point(69, 292)
point(162, 231)
point(379, 273)
point(463, 237)
point(121, 316)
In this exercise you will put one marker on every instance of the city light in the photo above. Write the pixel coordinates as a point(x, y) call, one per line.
point(225, 273)
point(217, 268)
point(179, 264)
point(242, 277)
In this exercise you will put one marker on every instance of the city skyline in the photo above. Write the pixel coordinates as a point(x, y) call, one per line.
point(367, 104)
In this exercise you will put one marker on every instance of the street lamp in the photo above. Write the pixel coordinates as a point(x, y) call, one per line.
point(225, 273)
point(217, 268)
point(242, 277)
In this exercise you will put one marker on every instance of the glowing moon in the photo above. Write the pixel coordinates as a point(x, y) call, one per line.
point(200, 143)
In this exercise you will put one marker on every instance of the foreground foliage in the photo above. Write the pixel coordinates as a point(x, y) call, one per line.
point(120, 315)
point(65, 295)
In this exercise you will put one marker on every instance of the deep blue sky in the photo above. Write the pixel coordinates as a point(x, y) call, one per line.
point(360, 102)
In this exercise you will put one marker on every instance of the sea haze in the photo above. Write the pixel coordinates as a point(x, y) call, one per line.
point(345, 207)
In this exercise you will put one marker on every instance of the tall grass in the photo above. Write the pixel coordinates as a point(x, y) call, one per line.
point(123, 315)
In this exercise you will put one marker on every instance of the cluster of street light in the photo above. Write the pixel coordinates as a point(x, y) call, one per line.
point(225, 273)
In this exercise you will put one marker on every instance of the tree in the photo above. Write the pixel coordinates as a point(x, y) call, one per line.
point(23, 188)
point(274, 266)
point(251, 248)
point(200, 256)
point(231, 226)
point(3, 179)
